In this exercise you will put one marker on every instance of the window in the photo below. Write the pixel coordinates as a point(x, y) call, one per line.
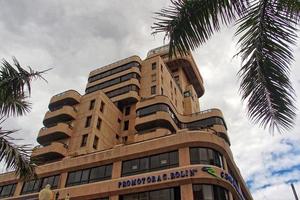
point(187, 94)
point(38, 184)
point(175, 91)
point(150, 163)
point(153, 66)
point(161, 68)
point(95, 143)
point(176, 79)
point(99, 122)
point(102, 105)
point(88, 121)
point(84, 140)
point(122, 90)
point(92, 104)
point(206, 156)
point(209, 192)
point(162, 91)
point(153, 77)
point(153, 90)
point(112, 82)
point(127, 110)
point(126, 125)
point(89, 175)
point(171, 84)
point(163, 194)
point(7, 190)
point(113, 71)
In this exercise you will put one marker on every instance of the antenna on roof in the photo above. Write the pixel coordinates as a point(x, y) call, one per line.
point(294, 191)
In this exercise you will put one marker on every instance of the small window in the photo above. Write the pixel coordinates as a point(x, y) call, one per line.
point(95, 143)
point(153, 77)
point(99, 123)
point(162, 68)
point(84, 140)
point(119, 120)
point(92, 104)
point(171, 84)
point(102, 105)
point(127, 110)
point(175, 91)
point(153, 66)
point(153, 89)
point(162, 91)
point(126, 125)
point(88, 121)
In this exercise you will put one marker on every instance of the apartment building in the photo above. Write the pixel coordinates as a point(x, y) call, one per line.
point(136, 134)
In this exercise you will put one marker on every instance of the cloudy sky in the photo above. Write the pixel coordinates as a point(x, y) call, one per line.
point(74, 37)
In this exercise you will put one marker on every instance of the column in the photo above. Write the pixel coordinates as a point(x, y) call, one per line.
point(186, 192)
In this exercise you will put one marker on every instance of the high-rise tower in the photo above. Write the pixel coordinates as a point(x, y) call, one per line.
point(136, 134)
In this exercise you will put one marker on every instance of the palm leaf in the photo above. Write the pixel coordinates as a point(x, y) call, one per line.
point(15, 88)
point(190, 23)
point(15, 157)
point(267, 34)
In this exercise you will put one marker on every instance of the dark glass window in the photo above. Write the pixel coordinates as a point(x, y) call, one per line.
point(206, 156)
point(153, 90)
point(112, 82)
point(92, 104)
point(150, 163)
point(113, 71)
point(122, 90)
point(126, 125)
point(84, 140)
point(209, 192)
point(99, 122)
point(89, 175)
point(102, 105)
point(95, 143)
point(153, 66)
point(7, 190)
point(200, 124)
point(163, 194)
point(127, 110)
point(33, 186)
point(153, 77)
point(88, 121)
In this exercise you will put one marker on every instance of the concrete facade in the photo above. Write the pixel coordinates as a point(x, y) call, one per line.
point(137, 133)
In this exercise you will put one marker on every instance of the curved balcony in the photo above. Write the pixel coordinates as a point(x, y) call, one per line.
point(64, 114)
point(70, 97)
point(127, 98)
point(54, 151)
point(159, 119)
point(57, 132)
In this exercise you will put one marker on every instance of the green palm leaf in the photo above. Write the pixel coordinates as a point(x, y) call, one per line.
point(266, 36)
point(15, 156)
point(189, 24)
point(13, 82)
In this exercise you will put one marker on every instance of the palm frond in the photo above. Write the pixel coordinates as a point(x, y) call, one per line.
point(291, 8)
point(15, 157)
point(15, 86)
point(267, 34)
point(190, 23)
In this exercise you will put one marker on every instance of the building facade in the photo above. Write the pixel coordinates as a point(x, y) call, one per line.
point(136, 134)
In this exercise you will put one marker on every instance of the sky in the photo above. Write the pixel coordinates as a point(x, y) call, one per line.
point(74, 37)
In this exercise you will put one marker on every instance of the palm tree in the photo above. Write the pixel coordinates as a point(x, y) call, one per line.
point(267, 32)
point(14, 90)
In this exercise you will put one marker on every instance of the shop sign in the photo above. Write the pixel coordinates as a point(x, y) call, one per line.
point(226, 176)
point(157, 178)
